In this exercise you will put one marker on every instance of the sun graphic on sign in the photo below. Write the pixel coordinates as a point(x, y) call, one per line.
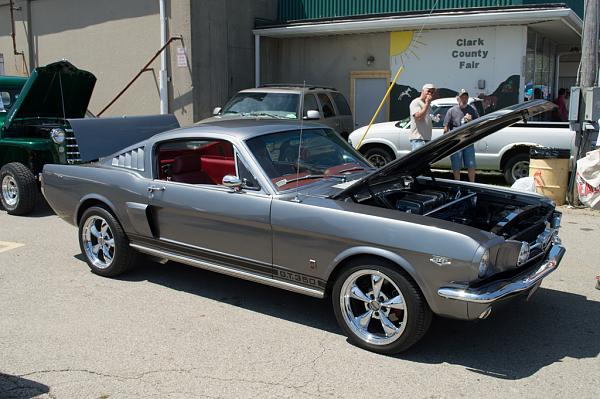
point(402, 46)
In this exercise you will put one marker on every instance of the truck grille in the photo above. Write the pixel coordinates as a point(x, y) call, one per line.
point(73, 155)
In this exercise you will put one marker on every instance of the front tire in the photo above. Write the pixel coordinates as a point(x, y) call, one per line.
point(104, 243)
point(516, 167)
point(378, 307)
point(19, 189)
point(379, 156)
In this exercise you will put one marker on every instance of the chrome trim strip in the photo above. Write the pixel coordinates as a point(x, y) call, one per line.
point(229, 271)
point(500, 289)
point(212, 251)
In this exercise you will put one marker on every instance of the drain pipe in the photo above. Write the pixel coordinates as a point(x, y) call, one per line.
point(13, 35)
point(162, 74)
point(257, 60)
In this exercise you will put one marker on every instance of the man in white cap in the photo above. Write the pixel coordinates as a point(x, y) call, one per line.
point(420, 118)
point(455, 117)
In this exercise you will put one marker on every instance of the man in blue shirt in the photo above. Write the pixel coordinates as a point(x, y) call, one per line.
point(456, 116)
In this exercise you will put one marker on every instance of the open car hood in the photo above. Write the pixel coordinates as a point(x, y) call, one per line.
point(419, 161)
point(57, 90)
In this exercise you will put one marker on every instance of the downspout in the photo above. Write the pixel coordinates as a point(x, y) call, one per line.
point(162, 74)
point(257, 60)
point(13, 35)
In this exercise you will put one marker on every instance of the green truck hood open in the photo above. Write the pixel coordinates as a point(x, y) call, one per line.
point(57, 90)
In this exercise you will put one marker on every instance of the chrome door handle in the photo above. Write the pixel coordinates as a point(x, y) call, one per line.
point(152, 189)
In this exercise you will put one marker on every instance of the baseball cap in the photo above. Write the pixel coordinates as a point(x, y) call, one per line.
point(463, 92)
point(428, 86)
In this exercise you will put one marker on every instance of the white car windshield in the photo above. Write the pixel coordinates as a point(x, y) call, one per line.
point(276, 105)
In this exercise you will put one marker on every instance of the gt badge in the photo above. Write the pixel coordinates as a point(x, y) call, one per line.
point(440, 260)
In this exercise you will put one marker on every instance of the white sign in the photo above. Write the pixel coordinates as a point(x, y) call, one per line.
point(181, 57)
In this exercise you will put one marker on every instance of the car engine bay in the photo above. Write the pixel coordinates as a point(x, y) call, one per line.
point(503, 214)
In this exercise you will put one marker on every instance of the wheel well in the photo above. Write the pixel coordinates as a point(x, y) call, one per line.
point(90, 203)
point(344, 263)
point(523, 149)
point(363, 149)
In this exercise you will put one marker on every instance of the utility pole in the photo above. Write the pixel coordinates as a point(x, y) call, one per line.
point(588, 78)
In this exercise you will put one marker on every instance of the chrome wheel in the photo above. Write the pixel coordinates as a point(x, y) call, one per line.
point(520, 169)
point(98, 241)
point(377, 160)
point(373, 307)
point(10, 191)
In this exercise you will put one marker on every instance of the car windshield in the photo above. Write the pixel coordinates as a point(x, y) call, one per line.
point(323, 154)
point(276, 105)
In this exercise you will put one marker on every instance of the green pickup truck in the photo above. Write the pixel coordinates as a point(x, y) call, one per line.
point(43, 121)
point(34, 129)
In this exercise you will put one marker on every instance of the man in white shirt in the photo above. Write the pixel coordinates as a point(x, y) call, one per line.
point(420, 118)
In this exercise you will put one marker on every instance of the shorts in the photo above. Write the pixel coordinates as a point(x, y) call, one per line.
point(417, 143)
point(466, 157)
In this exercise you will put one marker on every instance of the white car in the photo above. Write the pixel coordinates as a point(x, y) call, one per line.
point(506, 151)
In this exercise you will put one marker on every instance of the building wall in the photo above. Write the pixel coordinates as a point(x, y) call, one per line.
point(325, 60)
point(223, 48)
point(112, 39)
point(115, 39)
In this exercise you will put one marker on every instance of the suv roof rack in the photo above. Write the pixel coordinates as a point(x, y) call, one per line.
point(298, 85)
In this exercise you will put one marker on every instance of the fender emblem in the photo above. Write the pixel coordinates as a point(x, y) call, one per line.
point(440, 260)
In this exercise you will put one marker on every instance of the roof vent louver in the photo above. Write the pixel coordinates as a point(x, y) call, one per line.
point(133, 159)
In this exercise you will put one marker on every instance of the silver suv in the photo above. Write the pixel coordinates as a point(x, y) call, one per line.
point(322, 104)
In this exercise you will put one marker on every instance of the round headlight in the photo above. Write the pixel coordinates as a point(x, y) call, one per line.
point(484, 263)
point(523, 254)
point(57, 135)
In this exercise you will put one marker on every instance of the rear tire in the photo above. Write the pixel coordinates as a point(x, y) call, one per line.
point(18, 189)
point(516, 167)
point(104, 243)
point(378, 307)
point(379, 156)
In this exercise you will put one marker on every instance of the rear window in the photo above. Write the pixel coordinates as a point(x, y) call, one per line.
point(8, 98)
point(341, 103)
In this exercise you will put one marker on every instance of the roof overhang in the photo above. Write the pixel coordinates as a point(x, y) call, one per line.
point(562, 22)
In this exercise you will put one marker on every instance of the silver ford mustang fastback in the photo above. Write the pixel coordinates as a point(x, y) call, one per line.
point(295, 207)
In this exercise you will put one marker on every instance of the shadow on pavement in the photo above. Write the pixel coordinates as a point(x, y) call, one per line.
point(519, 340)
point(514, 343)
point(16, 387)
point(42, 209)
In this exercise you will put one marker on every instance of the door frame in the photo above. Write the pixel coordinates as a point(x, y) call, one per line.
point(367, 75)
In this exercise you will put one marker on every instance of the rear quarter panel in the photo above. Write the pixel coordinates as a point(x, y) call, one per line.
point(68, 187)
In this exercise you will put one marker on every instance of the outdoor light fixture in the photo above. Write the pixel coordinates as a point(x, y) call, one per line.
point(370, 60)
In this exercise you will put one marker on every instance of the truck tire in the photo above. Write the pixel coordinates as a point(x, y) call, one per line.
point(19, 189)
point(516, 167)
point(379, 156)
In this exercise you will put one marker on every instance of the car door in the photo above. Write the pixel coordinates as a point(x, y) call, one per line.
point(193, 214)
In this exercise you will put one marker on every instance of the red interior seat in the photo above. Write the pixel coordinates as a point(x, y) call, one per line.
point(188, 169)
point(216, 167)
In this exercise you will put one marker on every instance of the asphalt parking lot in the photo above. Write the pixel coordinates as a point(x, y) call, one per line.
point(173, 331)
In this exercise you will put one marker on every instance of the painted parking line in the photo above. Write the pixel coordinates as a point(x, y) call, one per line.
point(7, 246)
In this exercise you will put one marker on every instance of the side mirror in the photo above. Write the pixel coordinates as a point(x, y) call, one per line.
point(312, 114)
point(233, 182)
point(216, 111)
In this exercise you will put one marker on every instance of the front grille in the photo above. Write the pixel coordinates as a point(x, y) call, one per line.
point(73, 155)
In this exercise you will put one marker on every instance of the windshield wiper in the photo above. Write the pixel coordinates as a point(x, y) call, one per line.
point(351, 169)
point(307, 177)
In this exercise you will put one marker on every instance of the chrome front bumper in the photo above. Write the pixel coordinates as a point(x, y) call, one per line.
point(500, 289)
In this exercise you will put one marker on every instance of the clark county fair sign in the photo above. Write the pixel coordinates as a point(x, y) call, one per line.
point(469, 51)
point(486, 61)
